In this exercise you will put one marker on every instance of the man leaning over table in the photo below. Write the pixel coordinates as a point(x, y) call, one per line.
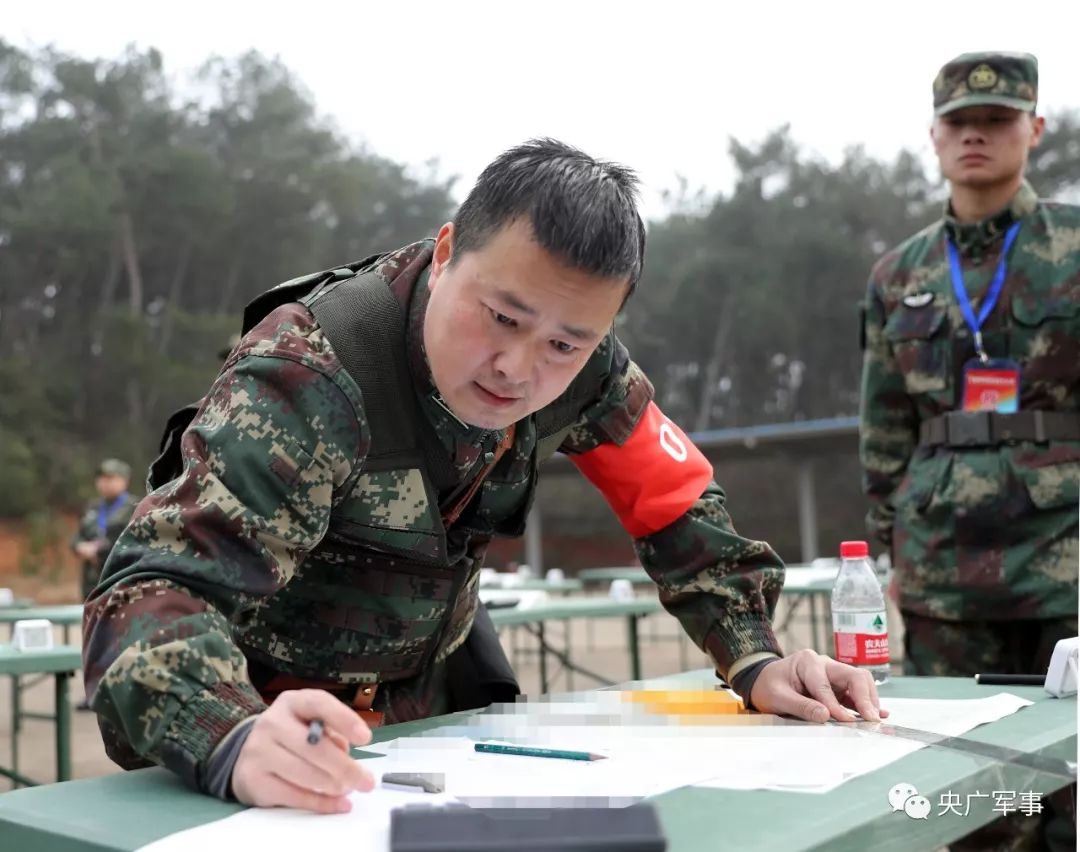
point(312, 542)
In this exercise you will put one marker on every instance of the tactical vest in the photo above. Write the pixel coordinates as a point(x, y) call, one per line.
point(390, 588)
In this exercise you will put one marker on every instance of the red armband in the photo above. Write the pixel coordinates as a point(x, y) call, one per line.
point(653, 478)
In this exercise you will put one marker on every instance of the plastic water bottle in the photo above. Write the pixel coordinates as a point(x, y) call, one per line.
point(860, 632)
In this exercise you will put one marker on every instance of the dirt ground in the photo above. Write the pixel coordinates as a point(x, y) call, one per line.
point(599, 647)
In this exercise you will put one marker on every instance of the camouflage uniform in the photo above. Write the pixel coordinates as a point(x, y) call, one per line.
point(987, 533)
point(277, 550)
point(984, 537)
point(116, 516)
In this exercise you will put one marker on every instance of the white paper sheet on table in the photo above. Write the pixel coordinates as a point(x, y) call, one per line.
point(822, 759)
point(641, 761)
point(365, 829)
point(632, 770)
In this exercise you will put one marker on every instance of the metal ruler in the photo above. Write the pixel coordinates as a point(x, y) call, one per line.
point(1055, 766)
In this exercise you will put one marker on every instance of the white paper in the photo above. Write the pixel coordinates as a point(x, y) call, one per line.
point(645, 755)
point(629, 771)
point(952, 717)
point(364, 829)
point(822, 758)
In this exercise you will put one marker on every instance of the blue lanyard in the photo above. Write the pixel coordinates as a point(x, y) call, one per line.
point(975, 324)
point(106, 509)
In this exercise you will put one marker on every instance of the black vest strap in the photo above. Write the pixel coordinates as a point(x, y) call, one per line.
point(366, 326)
point(296, 289)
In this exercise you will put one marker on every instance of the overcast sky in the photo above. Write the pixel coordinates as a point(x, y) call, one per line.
point(659, 86)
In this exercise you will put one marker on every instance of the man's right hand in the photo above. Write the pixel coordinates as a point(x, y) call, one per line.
point(277, 767)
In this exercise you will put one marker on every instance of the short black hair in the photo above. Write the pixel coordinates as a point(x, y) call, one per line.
point(582, 210)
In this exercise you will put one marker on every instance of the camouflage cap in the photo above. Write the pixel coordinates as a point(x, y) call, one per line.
point(114, 467)
point(975, 79)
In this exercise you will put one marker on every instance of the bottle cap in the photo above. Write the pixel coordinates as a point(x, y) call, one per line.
point(854, 550)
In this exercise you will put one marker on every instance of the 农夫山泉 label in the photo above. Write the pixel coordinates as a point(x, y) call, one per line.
point(861, 638)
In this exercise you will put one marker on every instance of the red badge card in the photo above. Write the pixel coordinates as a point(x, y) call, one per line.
point(992, 386)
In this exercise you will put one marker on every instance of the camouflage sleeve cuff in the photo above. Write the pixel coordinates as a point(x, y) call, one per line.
point(202, 722)
point(734, 639)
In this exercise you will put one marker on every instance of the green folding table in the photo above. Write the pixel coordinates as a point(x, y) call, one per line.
point(534, 618)
point(127, 810)
point(64, 615)
point(61, 662)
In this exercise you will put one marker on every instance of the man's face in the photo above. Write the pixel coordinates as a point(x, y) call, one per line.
point(110, 486)
point(982, 146)
point(508, 326)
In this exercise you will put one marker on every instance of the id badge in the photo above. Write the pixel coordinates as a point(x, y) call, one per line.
point(992, 386)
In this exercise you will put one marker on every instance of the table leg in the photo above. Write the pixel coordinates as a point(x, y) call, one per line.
point(569, 645)
point(826, 625)
point(63, 727)
point(635, 649)
point(16, 722)
point(543, 658)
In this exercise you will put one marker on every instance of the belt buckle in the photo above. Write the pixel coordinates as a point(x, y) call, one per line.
point(968, 429)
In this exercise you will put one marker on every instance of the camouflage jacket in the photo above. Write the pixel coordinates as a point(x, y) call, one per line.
point(116, 519)
point(255, 556)
point(986, 533)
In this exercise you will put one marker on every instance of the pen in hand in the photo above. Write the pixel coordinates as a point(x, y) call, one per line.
point(314, 731)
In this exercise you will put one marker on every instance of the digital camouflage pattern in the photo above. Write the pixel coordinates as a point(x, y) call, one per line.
point(977, 79)
point(988, 533)
point(275, 551)
point(115, 521)
point(934, 647)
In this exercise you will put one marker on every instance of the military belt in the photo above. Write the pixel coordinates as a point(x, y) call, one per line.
point(989, 428)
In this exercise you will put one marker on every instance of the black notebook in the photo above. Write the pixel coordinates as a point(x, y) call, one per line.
point(457, 828)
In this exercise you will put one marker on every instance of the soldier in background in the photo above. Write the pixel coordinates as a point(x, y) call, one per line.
point(103, 521)
point(101, 524)
point(970, 411)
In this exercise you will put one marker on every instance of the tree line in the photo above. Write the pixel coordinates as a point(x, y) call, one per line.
point(137, 217)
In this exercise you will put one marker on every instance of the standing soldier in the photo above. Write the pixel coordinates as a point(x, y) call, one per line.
point(101, 524)
point(970, 431)
point(103, 521)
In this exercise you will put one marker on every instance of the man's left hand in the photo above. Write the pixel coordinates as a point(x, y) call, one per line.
point(816, 688)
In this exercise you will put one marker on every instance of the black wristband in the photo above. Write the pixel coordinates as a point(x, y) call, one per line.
point(220, 765)
point(743, 682)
